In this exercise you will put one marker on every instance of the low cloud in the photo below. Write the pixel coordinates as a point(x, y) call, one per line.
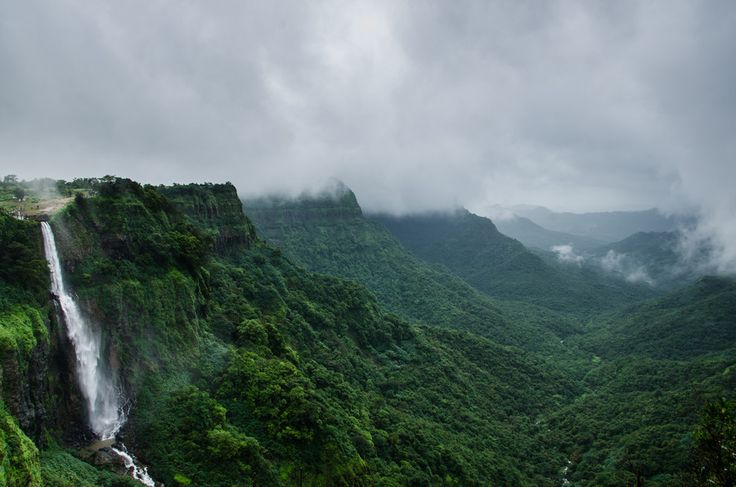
point(573, 105)
point(621, 264)
point(497, 213)
point(566, 253)
point(709, 246)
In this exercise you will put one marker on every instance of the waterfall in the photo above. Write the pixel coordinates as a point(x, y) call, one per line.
point(97, 384)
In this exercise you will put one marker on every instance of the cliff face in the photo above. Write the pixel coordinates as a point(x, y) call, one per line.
point(136, 263)
point(39, 386)
point(216, 208)
point(38, 394)
point(34, 364)
point(339, 205)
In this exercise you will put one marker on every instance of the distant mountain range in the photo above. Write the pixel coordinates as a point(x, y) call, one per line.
point(606, 227)
point(471, 247)
point(638, 246)
point(535, 236)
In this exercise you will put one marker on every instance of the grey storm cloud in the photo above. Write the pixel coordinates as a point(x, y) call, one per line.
point(575, 105)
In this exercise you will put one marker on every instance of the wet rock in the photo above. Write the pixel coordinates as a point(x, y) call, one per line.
point(106, 457)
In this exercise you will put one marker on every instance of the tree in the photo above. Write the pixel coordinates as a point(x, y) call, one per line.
point(10, 179)
point(715, 444)
point(19, 193)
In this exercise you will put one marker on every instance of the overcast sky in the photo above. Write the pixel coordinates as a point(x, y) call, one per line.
point(419, 104)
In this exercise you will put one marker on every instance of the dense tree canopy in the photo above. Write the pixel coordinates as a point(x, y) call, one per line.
point(243, 368)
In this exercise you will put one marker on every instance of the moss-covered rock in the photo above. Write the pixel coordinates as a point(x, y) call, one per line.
point(20, 463)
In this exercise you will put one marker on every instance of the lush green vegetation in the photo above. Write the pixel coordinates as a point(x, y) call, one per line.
point(654, 366)
point(245, 366)
point(242, 368)
point(686, 324)
point(645, 372)
point(715, 444)
point(636, 419)
point(61, 468)
point(19, 458)
point(21, 261)
point(332, 236)
point(23, 281)
point(22, 307)
point(471, 247)
point(28, 380)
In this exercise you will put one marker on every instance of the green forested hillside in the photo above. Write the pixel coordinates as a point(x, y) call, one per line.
point(243, 368)
point(658, 256)
point(655, 364)
point(636, 413)
point(331, 235)
point(472, 248)
point(541, 301)
point(690, 322)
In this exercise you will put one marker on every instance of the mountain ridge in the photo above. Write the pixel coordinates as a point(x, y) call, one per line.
point(472, 247)
point(609, 226)
point(535, 236)
point(361, 249)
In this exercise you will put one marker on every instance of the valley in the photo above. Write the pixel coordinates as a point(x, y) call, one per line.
point(301, 342)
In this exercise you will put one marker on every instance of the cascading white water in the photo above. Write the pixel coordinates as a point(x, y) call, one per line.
point(139, 473)
point(106, 415)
